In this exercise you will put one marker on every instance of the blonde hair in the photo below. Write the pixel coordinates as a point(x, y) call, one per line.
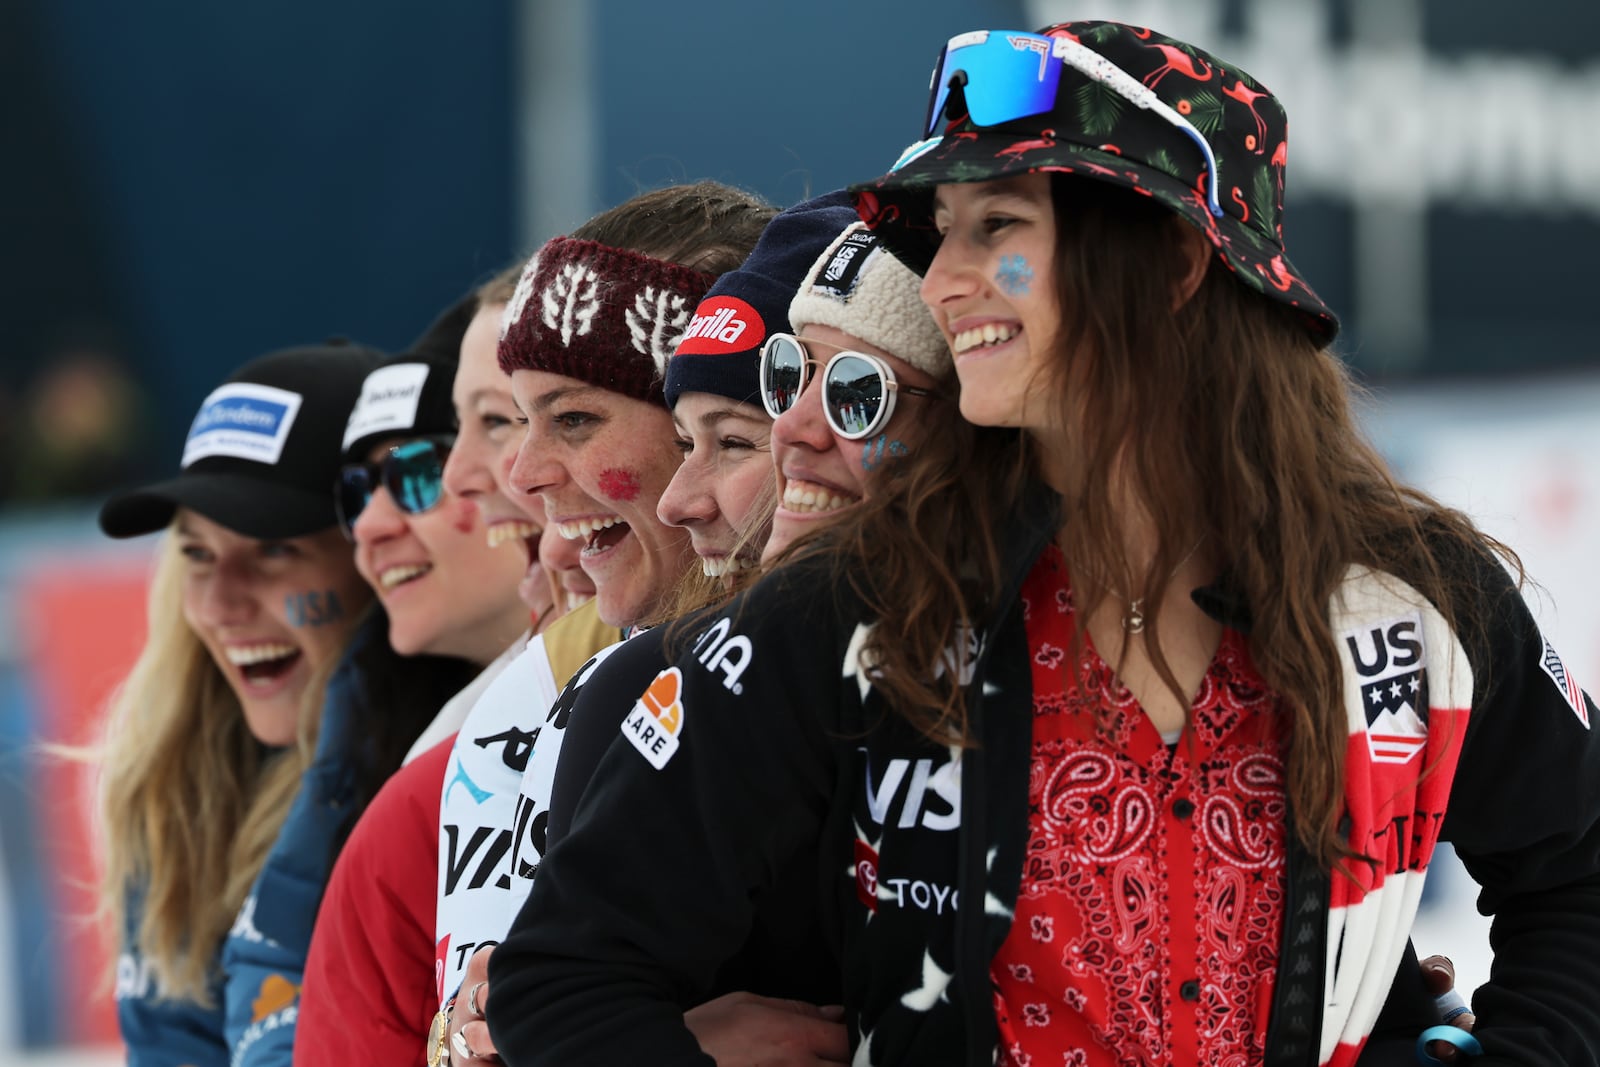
point(190, 802)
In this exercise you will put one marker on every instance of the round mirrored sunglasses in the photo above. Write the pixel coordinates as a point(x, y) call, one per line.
point(858, 390)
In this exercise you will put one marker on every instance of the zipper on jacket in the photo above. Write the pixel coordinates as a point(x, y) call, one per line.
point(1026, 540)
point(1294, 1030)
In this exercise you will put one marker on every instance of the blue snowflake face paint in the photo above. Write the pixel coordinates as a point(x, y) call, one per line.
point(880, 447)
point(1014, 276)
point(313, 608)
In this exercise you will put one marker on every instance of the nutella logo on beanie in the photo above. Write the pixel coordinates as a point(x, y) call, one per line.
point(388, 402)
point(723, 325)
point(838, 278)
point(242, 421)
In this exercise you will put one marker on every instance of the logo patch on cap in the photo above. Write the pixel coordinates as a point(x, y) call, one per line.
point(243, 421)
point(723, 325)
point(838, 278)
point(389, 399)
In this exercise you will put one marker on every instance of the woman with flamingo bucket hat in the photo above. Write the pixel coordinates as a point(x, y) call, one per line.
point(1140, 110)
point(1098, 213)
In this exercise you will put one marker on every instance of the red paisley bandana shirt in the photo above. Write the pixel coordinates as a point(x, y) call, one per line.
point(1147, 927)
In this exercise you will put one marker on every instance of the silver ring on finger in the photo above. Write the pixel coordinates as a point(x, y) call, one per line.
point(472, 999)
point(458, 1041)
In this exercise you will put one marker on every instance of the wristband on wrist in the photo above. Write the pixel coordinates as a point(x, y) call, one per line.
point(1450, 1003)
point(1464, 1043)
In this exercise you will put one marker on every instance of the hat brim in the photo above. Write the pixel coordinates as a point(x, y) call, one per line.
point(899, 207)
point(248, 506)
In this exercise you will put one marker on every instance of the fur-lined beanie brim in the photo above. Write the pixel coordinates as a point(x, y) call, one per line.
point(859, 287)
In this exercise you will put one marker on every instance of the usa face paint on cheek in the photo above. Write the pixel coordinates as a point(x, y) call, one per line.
point(313, 608)
point(1014, 276)
point(878, 450)
point(620, 485)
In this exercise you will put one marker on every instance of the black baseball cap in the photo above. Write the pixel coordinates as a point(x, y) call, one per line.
point(263, 452)
point(410, 395)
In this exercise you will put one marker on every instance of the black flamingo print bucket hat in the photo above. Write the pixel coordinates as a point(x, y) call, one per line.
point(1112, 103)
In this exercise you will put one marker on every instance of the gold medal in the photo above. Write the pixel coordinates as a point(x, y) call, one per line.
point(438, 1048)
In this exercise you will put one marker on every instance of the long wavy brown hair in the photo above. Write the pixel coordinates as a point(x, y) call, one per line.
point(1222, 418)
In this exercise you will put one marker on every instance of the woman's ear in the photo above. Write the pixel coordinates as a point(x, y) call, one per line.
point(1195, 255)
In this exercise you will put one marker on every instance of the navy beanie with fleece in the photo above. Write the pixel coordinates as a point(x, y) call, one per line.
point(721, 351)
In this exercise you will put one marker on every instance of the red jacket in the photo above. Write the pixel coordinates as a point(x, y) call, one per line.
point(369, 992)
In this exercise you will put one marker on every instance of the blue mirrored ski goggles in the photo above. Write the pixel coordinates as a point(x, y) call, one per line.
point(1007, 75)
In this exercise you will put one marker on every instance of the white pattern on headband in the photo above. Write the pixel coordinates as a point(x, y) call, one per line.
point(519, 297)
point(657, 322)
point(571, 301)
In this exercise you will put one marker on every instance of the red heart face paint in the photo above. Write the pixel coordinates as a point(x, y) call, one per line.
point(464, 517)
point(619, 484)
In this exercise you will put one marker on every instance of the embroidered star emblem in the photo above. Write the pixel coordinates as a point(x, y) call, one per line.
point(991, 903)
point(863, 1056)
point(935, 980)
point(858, 661)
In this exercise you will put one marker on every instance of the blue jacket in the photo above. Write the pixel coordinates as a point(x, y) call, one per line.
point(264, 955)
point(158, 1031)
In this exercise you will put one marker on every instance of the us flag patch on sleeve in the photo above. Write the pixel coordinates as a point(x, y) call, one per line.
point(1551, 664)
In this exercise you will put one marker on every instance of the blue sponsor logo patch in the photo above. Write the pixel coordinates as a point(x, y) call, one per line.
point(242, 421)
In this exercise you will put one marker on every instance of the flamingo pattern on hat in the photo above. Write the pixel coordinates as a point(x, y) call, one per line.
point(1095, 132)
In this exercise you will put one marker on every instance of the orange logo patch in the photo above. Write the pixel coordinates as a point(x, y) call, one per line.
point(653, 725)
point(277, 993)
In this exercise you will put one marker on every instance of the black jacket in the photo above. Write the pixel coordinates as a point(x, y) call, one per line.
point(785, 761)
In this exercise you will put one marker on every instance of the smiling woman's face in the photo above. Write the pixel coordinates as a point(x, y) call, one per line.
point(820, 473)
point(448, 590)
point(487, 433)
point(601, 461)
point(272, 614)
point(487, 436)
point(991, 288)
point(725, 474)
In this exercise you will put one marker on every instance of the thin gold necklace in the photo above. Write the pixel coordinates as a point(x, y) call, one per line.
point(1133, 619)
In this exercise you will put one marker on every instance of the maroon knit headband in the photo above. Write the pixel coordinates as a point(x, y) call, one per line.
point(602, 315)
